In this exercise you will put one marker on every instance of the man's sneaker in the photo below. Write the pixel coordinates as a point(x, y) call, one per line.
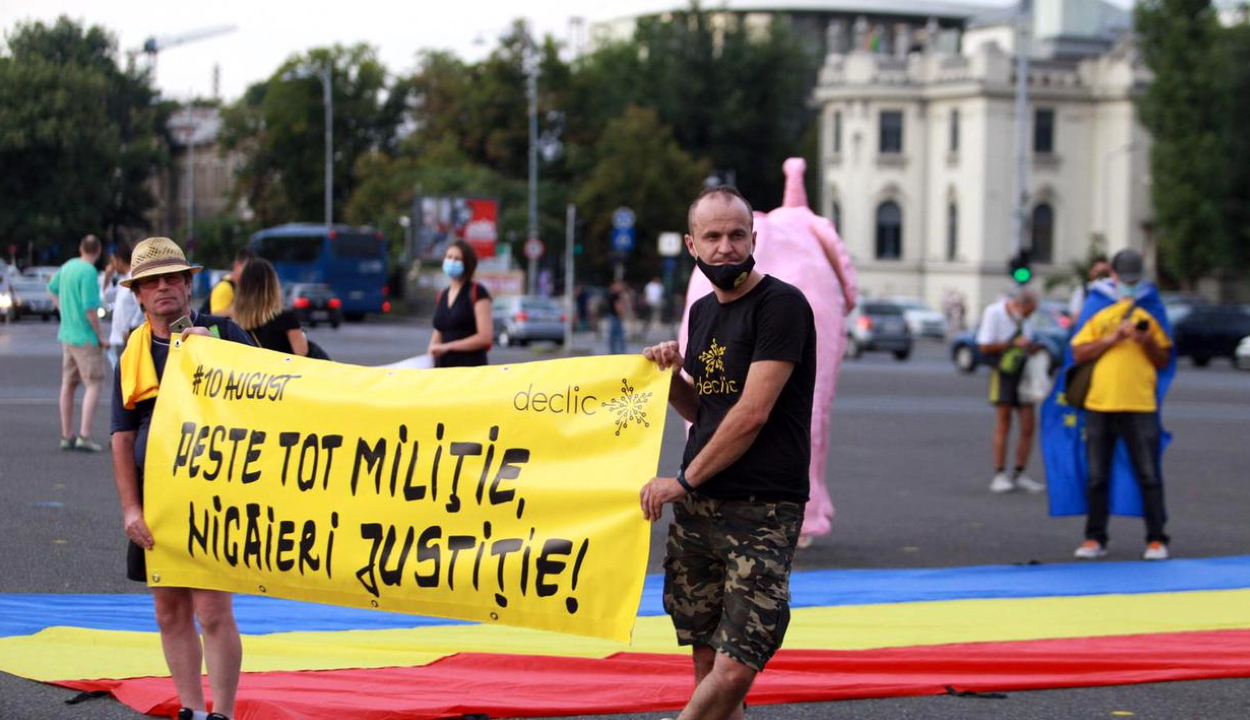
point(216, 716)
point(1028, 484)
point(1001, 483)
point(1091, 550)
point(1155, 551)
point(68, 443)
point(86, 444)
point(185, 714)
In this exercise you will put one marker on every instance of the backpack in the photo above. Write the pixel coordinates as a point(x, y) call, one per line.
point(208, 301)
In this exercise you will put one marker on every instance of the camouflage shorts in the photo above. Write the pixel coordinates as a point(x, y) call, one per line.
point(727, 575)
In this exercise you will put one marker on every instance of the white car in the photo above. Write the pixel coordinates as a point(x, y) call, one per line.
point(1241, 356)
point(43, 273)
point(922, 320)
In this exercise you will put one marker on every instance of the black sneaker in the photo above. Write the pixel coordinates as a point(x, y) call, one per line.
point(185, 714)
point(217, 716)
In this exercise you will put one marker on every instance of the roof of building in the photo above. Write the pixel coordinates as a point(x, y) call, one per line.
point(918, 8)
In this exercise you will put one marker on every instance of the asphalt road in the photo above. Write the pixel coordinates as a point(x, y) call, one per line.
point(908, 472)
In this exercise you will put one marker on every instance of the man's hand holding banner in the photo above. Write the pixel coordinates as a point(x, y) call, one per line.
point(501, 494)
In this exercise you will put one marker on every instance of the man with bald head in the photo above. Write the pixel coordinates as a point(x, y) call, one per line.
point(747, 387)
point(1006, 339)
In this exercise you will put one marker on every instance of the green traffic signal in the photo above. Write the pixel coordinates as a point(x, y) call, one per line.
point(1018, 267)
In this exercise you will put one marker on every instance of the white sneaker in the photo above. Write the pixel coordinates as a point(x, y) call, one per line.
point(1090, 550)
point(1001, 483)
point(1028, 484)
point(1155, 551)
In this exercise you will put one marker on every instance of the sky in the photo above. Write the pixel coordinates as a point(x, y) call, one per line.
point(270, 31)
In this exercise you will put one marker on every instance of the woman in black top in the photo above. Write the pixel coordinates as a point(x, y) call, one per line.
point(462, 322)
point(258, 309)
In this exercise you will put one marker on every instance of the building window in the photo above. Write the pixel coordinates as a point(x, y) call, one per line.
point(889, 231)
point(1044, 131)
point(891, 131)
point(1043, 234)
point(837, 132)
point(952, 232)
point(954, 141)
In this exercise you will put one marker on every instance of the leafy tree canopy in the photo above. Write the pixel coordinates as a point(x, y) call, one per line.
point(80, 136)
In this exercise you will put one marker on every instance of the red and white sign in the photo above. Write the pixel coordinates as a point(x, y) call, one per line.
point(534, 248)
point(481, 230)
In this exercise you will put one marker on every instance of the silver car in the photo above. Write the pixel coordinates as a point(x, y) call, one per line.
point(25, 296)
point(524, 319)
point(878, 326)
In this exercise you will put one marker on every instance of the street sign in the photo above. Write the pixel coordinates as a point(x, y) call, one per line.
point(622, 218)
point(670, 244)
point(623, 240)
point(534, 248)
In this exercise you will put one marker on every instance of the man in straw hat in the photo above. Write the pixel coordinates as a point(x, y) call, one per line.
point(161, 281)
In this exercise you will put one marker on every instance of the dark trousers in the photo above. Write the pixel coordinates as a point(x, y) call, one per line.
point(1140, 432)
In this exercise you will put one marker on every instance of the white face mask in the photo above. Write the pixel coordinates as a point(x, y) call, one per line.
point(1125, 290)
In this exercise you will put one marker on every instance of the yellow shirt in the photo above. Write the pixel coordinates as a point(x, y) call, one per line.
point(221, 298)
point(1124, 379)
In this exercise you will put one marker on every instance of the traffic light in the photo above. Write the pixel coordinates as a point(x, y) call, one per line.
point(1019, 268)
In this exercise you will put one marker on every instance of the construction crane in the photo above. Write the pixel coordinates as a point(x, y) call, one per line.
point(154, 45)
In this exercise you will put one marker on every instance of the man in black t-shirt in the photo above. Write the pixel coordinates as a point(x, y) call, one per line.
point(160, 278)
point(750, 372)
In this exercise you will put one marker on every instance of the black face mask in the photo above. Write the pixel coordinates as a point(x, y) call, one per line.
point(729, 276)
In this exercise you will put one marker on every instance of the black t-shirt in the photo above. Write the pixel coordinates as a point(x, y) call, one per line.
point(272, 335)
point(457, 322)
point(140, 417)
point(772, 322)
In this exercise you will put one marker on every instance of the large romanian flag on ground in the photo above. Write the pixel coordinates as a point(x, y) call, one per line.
point(854, 634)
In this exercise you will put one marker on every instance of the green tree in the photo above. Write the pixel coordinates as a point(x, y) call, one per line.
point(279, 126)
point(734, 95)
point(1237, 208)
point(1185, 109)
point(640, 165)
point(80, 138)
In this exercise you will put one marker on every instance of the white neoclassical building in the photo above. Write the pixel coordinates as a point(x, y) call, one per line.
point(917, 152)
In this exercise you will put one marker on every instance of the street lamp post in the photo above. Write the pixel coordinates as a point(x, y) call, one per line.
point(1024, 29)
point(531, 93)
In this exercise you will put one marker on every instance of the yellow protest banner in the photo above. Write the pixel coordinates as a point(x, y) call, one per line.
point(501, 494)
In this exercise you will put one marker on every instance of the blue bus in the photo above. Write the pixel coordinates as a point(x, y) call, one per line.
point(352, 261)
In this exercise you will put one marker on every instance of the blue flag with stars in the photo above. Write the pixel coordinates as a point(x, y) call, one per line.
point(1063, 427)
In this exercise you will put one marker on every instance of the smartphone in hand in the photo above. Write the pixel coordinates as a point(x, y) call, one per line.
point(179, 325)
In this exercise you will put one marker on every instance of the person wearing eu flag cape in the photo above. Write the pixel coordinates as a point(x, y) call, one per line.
point(1108, 457)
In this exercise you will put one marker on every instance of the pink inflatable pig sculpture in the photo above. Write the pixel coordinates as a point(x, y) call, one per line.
point(798, 246)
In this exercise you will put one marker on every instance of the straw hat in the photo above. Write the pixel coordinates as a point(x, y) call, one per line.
point(157, 256)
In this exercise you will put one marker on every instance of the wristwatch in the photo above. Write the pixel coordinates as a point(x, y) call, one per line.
point(682, 481)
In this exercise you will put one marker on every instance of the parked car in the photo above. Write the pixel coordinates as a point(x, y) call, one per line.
point(1210, 331)
point(520, 320)
point(878, 326)
point(1057, 309)
point(1047, 331)
point(1241, 356)
point(1178, 305)
point(922, 319)
point(314, 303)
point(40, 272)
point(26, 296)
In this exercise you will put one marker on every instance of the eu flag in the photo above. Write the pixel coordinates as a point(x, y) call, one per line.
point(1063, 427)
